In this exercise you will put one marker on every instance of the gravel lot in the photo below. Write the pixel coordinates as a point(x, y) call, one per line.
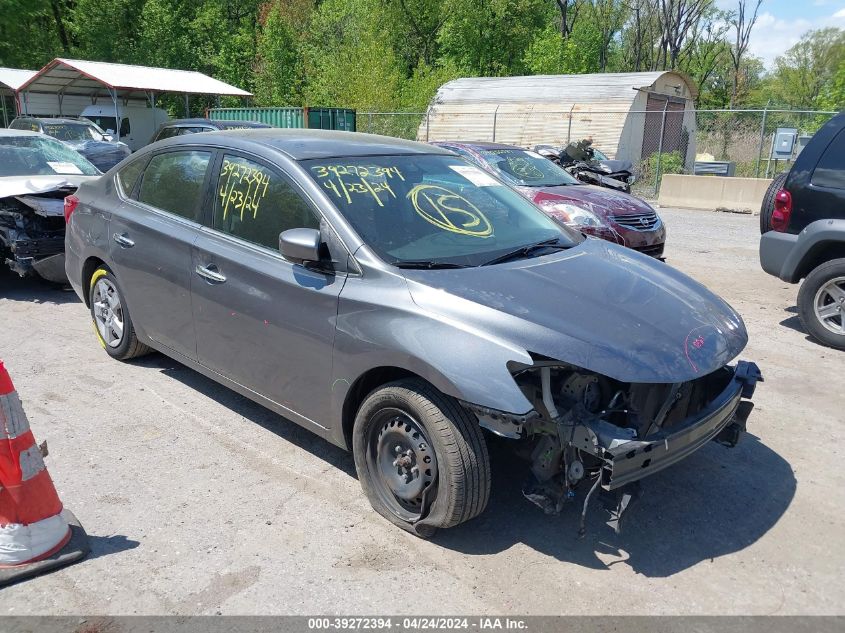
point(201, 502)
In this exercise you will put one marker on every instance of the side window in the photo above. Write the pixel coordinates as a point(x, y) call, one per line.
point(125, 130)
point(830, 172)
point(256, 203)
point(173, 182)
point(128, 176)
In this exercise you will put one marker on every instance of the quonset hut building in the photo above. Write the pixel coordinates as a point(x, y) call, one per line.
point(629, 115)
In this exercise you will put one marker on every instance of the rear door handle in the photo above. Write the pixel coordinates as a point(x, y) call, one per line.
point(211, 275)
point(124, 241)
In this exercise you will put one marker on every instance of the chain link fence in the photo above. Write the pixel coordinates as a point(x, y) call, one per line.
point(670, 139)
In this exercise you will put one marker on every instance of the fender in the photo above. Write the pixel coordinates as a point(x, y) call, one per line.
point(784, 255)
point(460, 362)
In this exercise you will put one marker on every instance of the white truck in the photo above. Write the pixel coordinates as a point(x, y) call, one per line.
point(137, 123)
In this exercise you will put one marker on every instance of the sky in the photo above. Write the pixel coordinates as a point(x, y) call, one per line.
point(781, 23)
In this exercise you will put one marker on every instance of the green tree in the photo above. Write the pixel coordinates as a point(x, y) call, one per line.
point(107, 30)
point(491, 37)
point(549, 54)
point(833, 94)
point(28, 34)
point(806, 69)
point(278, 67)
point(348, 61)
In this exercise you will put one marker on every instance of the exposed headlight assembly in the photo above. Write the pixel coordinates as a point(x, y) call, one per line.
point(571, 214)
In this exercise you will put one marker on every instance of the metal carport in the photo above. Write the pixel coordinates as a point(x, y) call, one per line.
point(120, 82)
point(11, 79)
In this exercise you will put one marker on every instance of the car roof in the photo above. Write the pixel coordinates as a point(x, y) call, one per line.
point(42, 119)
point(482, 145)
point(216, 122)
point(302, 144)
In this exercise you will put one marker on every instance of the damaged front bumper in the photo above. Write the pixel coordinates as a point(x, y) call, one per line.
point(723, 419)
point(587, 429)
point(32, 234)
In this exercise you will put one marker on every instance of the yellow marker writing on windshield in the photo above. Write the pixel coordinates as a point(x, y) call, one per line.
point(449, 211)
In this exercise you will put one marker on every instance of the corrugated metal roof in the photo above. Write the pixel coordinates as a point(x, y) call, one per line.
point(588, 88)
point(14, 78)
point(79, 77)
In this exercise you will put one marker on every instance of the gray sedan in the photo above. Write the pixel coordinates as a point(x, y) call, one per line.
point(397, 300)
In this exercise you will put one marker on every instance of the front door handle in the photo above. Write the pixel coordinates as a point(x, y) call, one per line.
point(124, 241)
point(211, 275)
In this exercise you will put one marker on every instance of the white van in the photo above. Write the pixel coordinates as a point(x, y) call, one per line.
point(137, 123)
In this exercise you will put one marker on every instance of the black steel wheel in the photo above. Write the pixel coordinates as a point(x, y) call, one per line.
point(400, 455)
point(420, 457)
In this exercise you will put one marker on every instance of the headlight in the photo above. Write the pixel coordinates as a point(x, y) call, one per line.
point(571, 214)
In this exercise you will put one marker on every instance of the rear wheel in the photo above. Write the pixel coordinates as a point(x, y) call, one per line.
point(111, 319)
point(768, 206)
point(421, 457)
point(821, 303)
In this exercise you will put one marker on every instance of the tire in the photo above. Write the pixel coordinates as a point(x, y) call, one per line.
point(123, 346)
point(768, 206)
point(406, 419)
point(818, 288)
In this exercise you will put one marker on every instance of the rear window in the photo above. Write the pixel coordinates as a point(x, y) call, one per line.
point(173, 182)
point(830, 172)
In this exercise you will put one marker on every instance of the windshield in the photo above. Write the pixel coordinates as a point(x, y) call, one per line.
point(431, 208)
point(526, 169)
point(599, 155)
point(40, 156)
point(72, 131)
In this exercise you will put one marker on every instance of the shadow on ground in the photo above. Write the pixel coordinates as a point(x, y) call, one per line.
point(287, 430)
point(716, 502)
point(33, 289)
point(105, 545)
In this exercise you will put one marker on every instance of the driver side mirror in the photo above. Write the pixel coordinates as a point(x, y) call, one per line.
point(300, 246)
point(108, 137)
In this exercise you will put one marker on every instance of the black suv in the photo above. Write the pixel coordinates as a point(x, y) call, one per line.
point(806, 239)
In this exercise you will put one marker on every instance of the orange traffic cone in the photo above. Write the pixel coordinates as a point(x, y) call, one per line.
point(36, 535)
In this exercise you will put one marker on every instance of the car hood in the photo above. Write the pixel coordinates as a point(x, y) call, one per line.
point(99, 147)
point(597, 306)
point(599, 200)
point(22, 185)
point(617, 165)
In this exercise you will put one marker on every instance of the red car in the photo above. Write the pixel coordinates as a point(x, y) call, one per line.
point(611, 215)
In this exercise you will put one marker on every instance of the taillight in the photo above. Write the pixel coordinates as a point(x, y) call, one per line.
point(71, 202)
point(782, 212)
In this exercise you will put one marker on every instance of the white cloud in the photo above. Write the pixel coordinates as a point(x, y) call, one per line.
point(772, 36)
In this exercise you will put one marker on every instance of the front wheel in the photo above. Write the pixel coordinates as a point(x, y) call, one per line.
point(420, 457)
point(821, 303)
point(110, 316)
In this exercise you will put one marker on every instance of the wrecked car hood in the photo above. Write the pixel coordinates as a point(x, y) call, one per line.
point(598, 306)
point(591, 197)
point(22, 185)
point(617, 165)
